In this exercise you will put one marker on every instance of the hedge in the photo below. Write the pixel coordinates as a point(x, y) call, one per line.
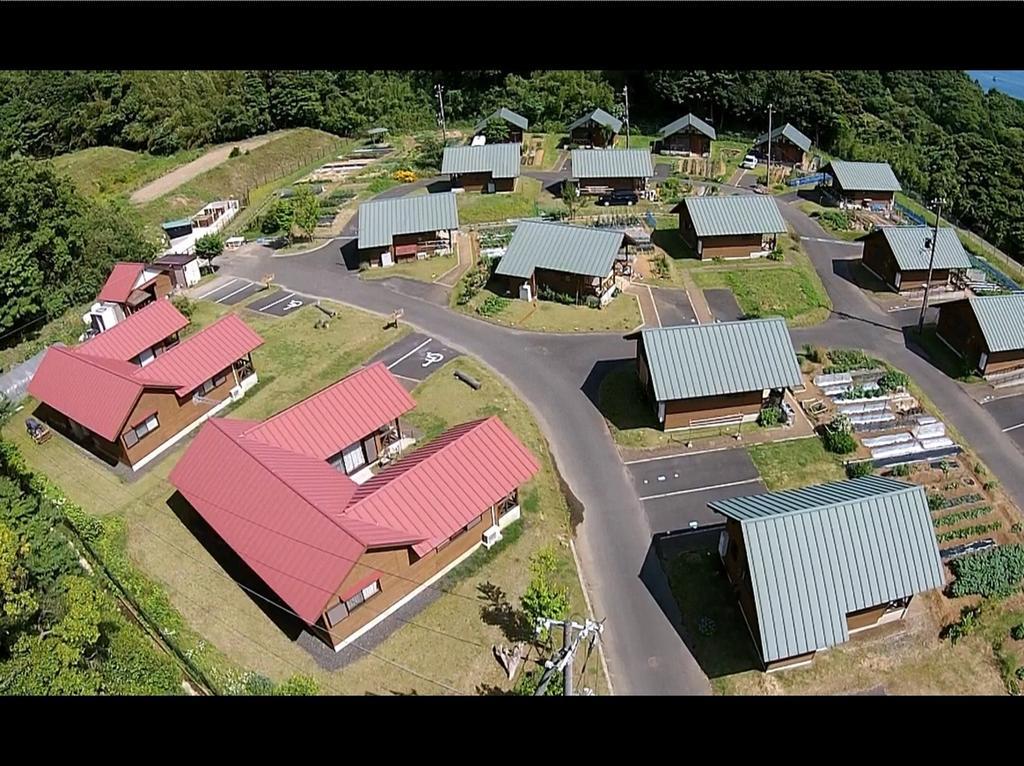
point(995, 572)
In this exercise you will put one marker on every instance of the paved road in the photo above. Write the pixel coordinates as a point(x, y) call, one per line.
point(555, 374)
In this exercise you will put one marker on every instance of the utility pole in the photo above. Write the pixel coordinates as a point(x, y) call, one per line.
point(768, 174)
point(931, 263)
point(440, 100)
point(570, 643)
point(625, 93)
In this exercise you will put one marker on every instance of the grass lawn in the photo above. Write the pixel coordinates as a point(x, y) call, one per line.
point(814, 210)
point(549, 143)
point(479, 208)
point(265, 168)
point(66, 328)
point(109, 171)
point(636, 141)
point(425, 270)
point(784, 465)
point(631, 418)
point(623, 313)
point(765, 289)
point(214, 618)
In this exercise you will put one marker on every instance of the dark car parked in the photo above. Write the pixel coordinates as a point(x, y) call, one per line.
point(618, 198)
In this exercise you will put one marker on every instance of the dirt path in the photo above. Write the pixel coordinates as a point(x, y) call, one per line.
point(467, 256)
point(171, 181)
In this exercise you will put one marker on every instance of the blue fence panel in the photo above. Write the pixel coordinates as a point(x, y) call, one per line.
point(910, 214)
point(804, 180)
point(651, 220)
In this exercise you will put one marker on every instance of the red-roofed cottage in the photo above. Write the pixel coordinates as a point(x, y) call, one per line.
point(104, 396)
point(134, 285)
point(147, 333)
point(325, 545)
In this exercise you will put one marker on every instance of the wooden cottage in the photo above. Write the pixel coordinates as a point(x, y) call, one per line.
point(488, 168)
point(987, 332)
point(688, 135)
point(735, 226)
point(407, 228)
point(595, 129)
point(899, 256)
point(789, 146)
point(598, 171)
point(861, 184)
point(517, 125)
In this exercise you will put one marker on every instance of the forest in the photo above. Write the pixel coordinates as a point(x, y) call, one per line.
point(943, 135)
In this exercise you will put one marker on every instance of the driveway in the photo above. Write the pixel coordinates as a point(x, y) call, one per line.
point(723, 304)
point(675, 490)
point(673, 305)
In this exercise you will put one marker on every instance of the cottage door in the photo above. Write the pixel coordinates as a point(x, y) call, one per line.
point(353, 458)
point(983, 362)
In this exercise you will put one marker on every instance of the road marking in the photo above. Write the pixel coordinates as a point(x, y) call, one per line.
point(670, 457)
point(701, 489)
point(831, 241)
point(217, 289)
point(655, 304)
point(246, 286)
point(406, 377)
point(1013, 428)
point(406, 356)
point(432, 357)
point(279, 300)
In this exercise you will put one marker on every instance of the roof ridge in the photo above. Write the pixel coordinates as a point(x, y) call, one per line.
point(176, 350)
point(467, 427)
point(906, 488)
point(90, 359)
point(744, 322)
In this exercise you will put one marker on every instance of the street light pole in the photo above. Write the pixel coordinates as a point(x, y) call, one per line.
point(931, 264)
point(768, 173)
point(625, 93)
point(440, 101)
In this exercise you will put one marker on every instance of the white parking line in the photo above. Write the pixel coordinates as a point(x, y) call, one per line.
point(216, 290)
point(246, 286)
point(832, 241)
point(701, 489)
point(406, 356)
point(671, 457)
point(279, 300)
point(1013, 428)
point(655, 304)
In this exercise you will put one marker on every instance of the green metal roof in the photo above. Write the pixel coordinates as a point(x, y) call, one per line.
point(689, 121)
point(788, 132)
point(376, 131)
point(909, 245)
point(504, 114)
point(612, 163)
point(691, 361)
point(1001, 318)
point(733, 214)
point(601, 117)
point(863, 176)
point(818, 553)
point(560, 247)
point(177, 224)
point(380, 221)
point(500, 160)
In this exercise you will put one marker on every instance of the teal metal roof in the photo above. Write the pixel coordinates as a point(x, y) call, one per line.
point(863, 176)
point(1001, 318)
point(612, 163)
point(504, 114)
point(733, 214)
point(601, 117)
point(818, 553)
point(909, 245)
point(788, 132)
point(376, 131)
point(500, 160)
point(380, 221)
point(691, 361)
point(177, 224)
point(689, 121)
point(560, 247)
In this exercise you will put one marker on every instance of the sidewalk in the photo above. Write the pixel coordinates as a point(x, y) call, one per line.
point(467, 252)
point(648, 309)
point(700, 305)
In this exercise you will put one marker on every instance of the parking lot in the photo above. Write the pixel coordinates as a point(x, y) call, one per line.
point(416, 357)
point(675, 490)
point(723, 305)
point(228, 290)
point(280, 303)
point(674, 307)
point(1008, 413)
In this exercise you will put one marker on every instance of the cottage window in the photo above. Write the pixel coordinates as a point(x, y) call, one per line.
point(146, 357)
point(132, 436)
point(336, 614)
point(362, 596)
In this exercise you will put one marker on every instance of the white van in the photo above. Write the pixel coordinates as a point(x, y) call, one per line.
point(749, 162)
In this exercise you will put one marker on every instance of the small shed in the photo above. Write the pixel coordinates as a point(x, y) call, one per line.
point(596, 128)
point(687, 135)
point(176, 229)
point(899, 256)
point(735, 226)
point(184, 268)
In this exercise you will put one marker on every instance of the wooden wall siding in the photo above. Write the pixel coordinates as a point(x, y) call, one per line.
point(592, 136)
point(732, 246)
point(738, 571)
point(174, 414)
point(959, 327)
point(400, 576)
point(876, 197)
point(878, 257)
point(621, 184)
point(62, 423)
point(1004, 360)
point(680, 413)
point(783, 152)
point(572, 284)
point(694, 143)
point(476, 182)
point(865, 617)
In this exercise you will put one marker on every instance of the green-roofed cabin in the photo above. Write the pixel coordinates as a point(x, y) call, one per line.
point(730, 227)
point(870, 185)
point(865, 548)
point(400, 229)
point(789, 147)
point(987, 332)
point(596, 129)
point(688, 136)
point(516, 123)
point(176, 229)
point(899, 256)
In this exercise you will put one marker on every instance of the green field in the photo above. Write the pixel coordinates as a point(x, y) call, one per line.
point(103, 171)
point(268, 167)
point(475, 207)
point(798, 463)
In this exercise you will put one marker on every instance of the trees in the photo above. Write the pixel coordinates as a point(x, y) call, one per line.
point(571, 198)
point(544, 599)
point(496, 131)
point(209, 245)
point(305, 211)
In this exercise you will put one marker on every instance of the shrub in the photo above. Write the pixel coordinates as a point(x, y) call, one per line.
point(846, 359)
point(776, 254)
point(209, 246)
point(995, 572)
point(901, 470)
point(184, 304)
point(236, 152)
point(955, 518)
point(547, 294)
point(1019, 673)
point(838, 437)
point(980, 469)
point(970, 621)
point(990, 485)
point(965, 532)
point(1017, 632)
point(593, 302)
point(404, 176)
point(544, 599)
point(893, 380)
point(857, 470)
point(769, 416)
point(1017, 528)
point(492, 305)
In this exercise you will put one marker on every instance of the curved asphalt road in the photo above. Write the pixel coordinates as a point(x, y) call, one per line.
point(550, 372)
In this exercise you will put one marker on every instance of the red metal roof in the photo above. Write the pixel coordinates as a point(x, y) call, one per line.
point(201, 356)
point(97, 393)
point(137, 332)
point(339, 415)
point(274, 508)
point(121, 282)
point(440, 487)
